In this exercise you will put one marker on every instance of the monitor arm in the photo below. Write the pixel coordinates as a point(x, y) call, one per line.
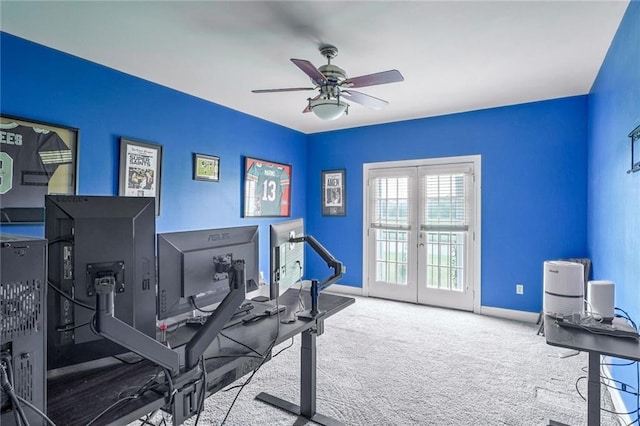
point(126, 336)
point(186, 382)
point(332, 262)
point(223, 313)
point(110, 327)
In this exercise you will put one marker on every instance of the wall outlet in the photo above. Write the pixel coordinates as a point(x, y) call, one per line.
point(519, 288)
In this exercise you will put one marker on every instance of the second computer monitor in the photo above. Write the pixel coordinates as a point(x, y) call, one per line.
point(193, 266)
point(287, 259)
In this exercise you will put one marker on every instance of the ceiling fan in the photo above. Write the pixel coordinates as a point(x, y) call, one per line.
point(334, 86)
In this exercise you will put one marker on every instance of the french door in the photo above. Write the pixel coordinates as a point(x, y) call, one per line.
point(421, 232)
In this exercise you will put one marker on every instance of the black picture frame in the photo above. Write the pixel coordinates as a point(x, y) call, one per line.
point(140, 171)
point(267, 188)
point(52, 169)
point(334, 192)
point(206, 167)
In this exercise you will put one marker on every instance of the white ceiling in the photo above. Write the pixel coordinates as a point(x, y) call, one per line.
point(455, 56)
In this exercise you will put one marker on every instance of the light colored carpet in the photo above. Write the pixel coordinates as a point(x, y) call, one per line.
point(390, 363)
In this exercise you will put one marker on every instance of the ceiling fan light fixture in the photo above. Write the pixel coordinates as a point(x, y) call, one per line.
point(328, 109)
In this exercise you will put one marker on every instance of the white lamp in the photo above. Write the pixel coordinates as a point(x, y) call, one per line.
point(328, 109)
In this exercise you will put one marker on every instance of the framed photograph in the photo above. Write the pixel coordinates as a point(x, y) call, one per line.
point(334, 194)
point(140, 169)
point(267, 188)
point(206, 168)
point(36, 159)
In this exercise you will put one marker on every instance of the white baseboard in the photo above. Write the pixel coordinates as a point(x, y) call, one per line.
point(616, 398)
point(509, 314)
point(345, 289)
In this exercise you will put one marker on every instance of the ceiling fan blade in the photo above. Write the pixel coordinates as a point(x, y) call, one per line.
point(309, 69)
point(289, 89)
point(308, 108)
point(362, 99)
point(384, 77)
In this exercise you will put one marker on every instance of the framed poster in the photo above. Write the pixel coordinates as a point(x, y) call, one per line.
point(140, 169)
point(267, 188)
point(334, 194)
point(206, 168)
point(36, 159)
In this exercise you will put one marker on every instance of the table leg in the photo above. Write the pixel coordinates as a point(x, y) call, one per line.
point(307, 407)
point(308, 374)
point(593, 391)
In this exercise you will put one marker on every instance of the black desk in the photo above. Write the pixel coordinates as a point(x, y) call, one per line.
point(75, 399)
point(595, 345)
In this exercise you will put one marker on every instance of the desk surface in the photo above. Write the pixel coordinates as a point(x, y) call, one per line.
point(582, 340)
point(77, 398)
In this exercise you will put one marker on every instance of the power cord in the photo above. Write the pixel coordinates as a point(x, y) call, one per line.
point(7, 386)
point(66, 296)
point(203, 390)
point(111, 407)
point(137, 394)
point(264, 359)
point(16, 400)
point(283, 349)
point(192, 299)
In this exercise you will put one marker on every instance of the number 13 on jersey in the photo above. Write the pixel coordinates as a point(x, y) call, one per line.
point(267, 188)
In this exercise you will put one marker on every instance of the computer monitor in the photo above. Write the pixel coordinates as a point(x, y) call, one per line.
point(287, 259)
point(94, 238)
point(193, 266)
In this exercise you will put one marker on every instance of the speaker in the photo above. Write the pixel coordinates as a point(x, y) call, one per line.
point(600, 299)
point(563, 288)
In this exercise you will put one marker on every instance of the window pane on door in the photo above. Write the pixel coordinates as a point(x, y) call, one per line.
point(445, 256)
point(391, 218)
point(391, 201)
point(392, 256)
point(446, 222)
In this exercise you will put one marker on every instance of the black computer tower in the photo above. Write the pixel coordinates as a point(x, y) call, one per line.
point(23, 324)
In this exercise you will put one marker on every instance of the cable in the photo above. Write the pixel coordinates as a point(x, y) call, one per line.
point(637, 410)
point(601, 408)
point(284, 349)
point(128, 362)
point(67, 328)
point(7, 359)
point(36, 409)
point(203, 389)
point(244, 384)
point(264, 359)
point(167, 376)
point(627, 317)
point(106, 410)
point(62, 239)
point(66, 296)
point(233, 356)
point(192, 299)
point(240, 343)
point(141, 390)
point(8, 388)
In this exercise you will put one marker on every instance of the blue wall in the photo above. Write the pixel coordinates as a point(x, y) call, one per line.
point(534, 196)
point(46, 85)
point(614, 195)
point(533, 163)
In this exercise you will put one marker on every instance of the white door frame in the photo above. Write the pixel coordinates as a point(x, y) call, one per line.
point(477, 209)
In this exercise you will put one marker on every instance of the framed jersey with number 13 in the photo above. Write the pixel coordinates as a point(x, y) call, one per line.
point(267, 188)
point(36, 159)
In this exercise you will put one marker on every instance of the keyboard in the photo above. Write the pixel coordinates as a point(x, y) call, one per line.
point(615, 328)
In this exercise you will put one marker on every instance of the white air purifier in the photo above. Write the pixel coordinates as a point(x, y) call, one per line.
point(563, 288)
point(600, 299)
